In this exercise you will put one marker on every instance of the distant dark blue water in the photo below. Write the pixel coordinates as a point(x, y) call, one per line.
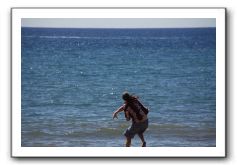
point(72, 81)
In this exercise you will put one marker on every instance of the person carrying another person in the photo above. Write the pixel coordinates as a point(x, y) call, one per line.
point(133, 109)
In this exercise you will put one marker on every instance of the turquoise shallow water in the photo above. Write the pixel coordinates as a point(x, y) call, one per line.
point(72, 81)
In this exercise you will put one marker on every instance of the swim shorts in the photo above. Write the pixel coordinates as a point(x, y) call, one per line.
point(136, 128)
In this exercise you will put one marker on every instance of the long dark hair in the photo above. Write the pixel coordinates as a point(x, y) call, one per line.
point(130, 100)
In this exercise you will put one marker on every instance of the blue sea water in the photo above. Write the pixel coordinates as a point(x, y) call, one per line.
point(72, 81)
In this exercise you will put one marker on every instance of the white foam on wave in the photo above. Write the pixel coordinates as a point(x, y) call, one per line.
point(109, 38)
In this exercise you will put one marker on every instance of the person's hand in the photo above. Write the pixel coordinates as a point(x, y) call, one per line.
point(115, 115)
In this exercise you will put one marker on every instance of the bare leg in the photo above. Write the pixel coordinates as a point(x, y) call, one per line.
point(128, 142)
point(142, 139)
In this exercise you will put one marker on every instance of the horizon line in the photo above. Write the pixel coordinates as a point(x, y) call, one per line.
point(119, 27)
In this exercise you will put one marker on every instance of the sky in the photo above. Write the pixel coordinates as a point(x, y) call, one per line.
point(118, 22)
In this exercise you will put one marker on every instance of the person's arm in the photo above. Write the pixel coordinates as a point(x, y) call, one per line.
point(120, 109)
point(127, 115)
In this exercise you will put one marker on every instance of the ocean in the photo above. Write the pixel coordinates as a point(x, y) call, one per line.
point(72, 81)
